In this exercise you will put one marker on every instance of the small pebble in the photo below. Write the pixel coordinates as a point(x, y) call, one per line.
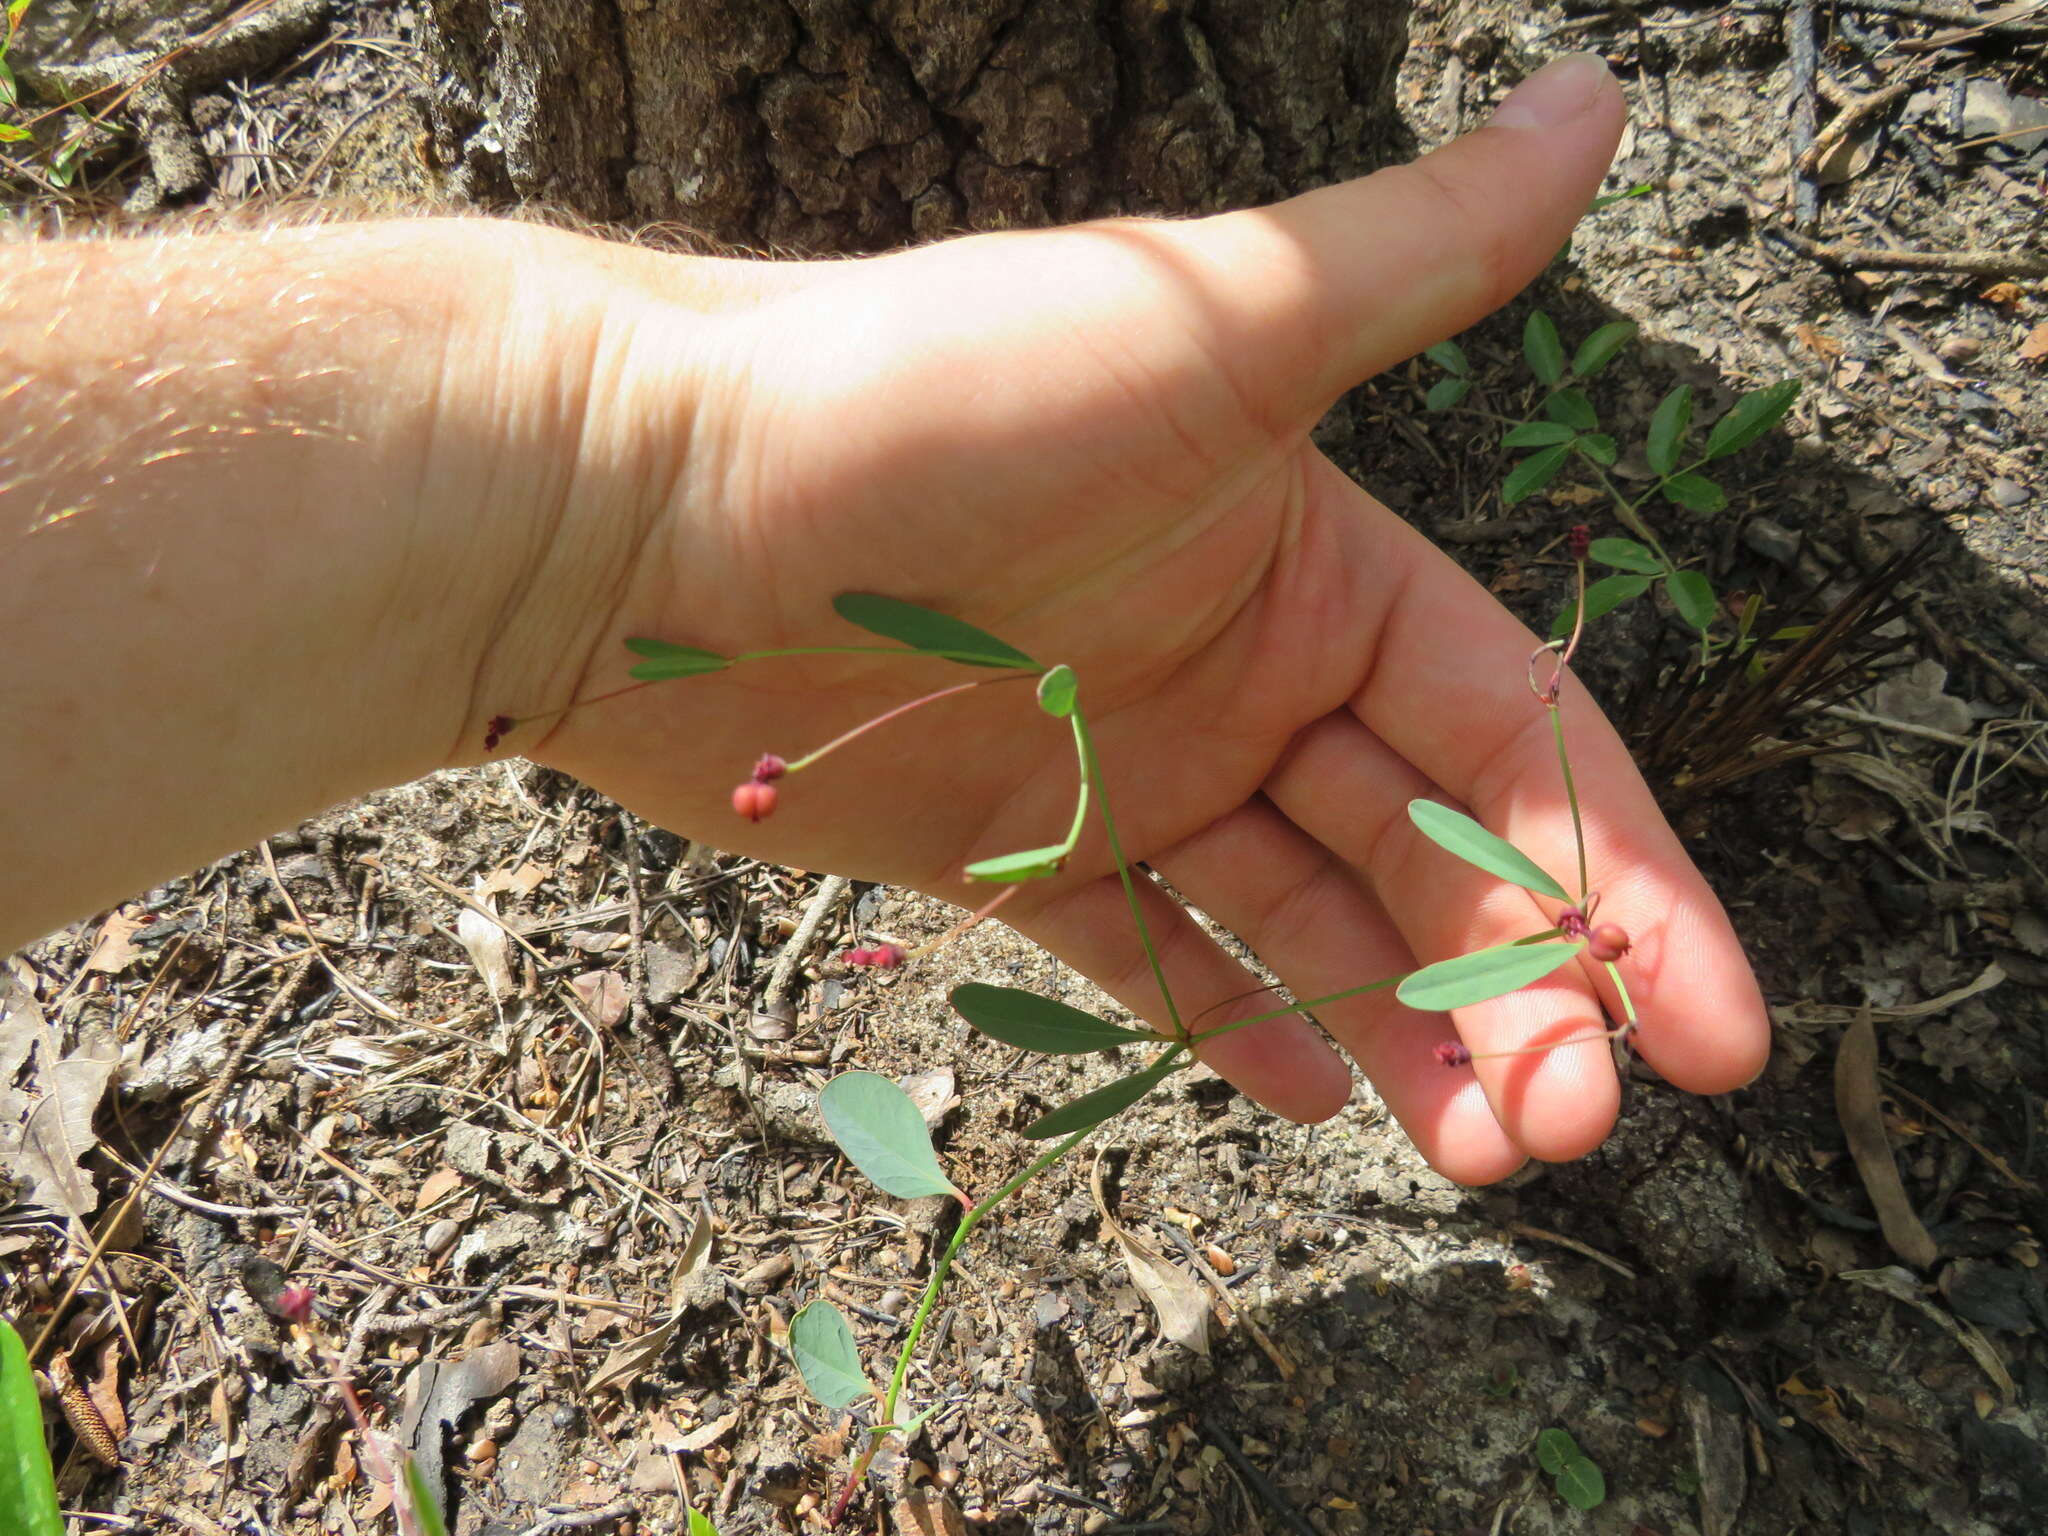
point(1220, 1261)
point(2007, 493)
point(482, 1450)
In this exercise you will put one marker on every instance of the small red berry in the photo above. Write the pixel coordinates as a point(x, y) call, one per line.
point(886, 956)
point(495, 730)
point(1607, 942)
point(1453, 1054)
point(754, 800)
point(769, 767)
point(1579, 541)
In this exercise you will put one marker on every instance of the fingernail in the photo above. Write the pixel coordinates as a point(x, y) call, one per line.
point(1554, 95)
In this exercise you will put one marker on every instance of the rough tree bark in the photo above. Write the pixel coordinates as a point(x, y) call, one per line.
point(812, 126)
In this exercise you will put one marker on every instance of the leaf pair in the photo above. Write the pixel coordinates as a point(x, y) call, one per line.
point(924, 631)
point(1577, 1481)
point(1034, 1023)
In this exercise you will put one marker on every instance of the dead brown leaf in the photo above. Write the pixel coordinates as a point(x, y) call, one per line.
point(2035, 347)
point(113, 950)
point(436, 1187)
point(1857, 1107)
point(603, 995)
point(1179, 1300)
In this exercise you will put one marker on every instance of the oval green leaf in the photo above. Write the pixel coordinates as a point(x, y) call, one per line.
point(1446, 392)
point(1113, 1098)
point(1598, 349)
point(1536, 434)
point(1542, 349)
point(1449, 356)
point(1555, 1449)
point(826, 1355)
point(1034, 1023)
point(923, 630)
point(1573, 409)
point(1533, 473)
point(1484, 974)
point(1455, 832)
point(1696, 493)
point(700, 1524)
point(1057, 690)
point(1602, 597)
point(1626, 555)
point(28, 1486)
point(1693, 596)
point(1751, 417)
point(1581, 1485)
point(1009, 868)
point(1598, 447)
point(665, 660)
point(882, 1134)
point(1667, 430)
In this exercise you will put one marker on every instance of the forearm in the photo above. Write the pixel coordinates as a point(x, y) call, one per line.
point(272, 522)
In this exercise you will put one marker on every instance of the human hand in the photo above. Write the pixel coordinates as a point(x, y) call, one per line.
point(1094, 442)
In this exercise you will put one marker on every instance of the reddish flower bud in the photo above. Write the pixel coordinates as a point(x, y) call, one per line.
point(754, 800)
point(1571, 922)
point(769, 767)
point(858, 957)
point(1579, 540)
point(1607, 942)
point(1453, 1054)
point(295, 1304)
point(887, 956)
point(495, 730)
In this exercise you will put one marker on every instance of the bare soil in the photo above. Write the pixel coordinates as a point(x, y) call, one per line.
point(492, 1191)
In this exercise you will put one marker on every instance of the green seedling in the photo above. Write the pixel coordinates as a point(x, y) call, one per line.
point(1577, 1481)
point(1565, 431)
point(28, 1485)
point(875, 1123)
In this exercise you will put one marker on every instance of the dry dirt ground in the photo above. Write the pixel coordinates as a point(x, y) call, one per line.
point(492, 1191)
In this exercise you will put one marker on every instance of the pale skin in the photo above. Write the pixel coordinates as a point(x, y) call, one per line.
point(289, 516)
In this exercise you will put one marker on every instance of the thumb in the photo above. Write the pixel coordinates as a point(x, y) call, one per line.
point(1329, 288)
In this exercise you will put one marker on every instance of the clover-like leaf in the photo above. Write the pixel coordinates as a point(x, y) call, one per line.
point(1667, 430)
point(1533, 473)
point(1602, 597)
point(1541, 348)
point(1693, 596)
point(1751, 417)
point(665, 661)
point(923, 630)
point(1057, 691)
point(1449, 356)
point(1009, 868)
point(879, 1128)
point(1455, 832)
point(1033, 1023)
point(1483, 974)
point(1598, 349)
point(1581, 1484)
point(1573, 409)
point(1598, 447)
point(1535, 434)
point(1626, 555)
point(1112, 1098)
point(1446, 392)
point(1696, 493)
point(826, 1355)
point(28, 1486)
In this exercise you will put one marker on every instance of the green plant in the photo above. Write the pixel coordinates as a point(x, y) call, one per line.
point(28, 1486)
point(61, 167)
point(875, 1123)
point(1577, 1481)
point(1564, 430)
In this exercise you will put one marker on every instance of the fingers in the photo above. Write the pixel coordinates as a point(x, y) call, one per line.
point(1283, 1063)
point(1308, 916)
point(1446, 703)
point(1313, 295)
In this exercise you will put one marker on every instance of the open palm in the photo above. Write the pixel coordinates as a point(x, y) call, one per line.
point(1094, 443)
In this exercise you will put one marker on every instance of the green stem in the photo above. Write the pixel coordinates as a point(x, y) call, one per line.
point(1091, 774)
point(1632, 519)
point(1628, 1007)
point(1571, 792)
point(968, 1223)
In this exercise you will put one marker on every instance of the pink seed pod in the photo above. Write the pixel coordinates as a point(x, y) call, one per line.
point(295, 1304)
point(769, 767)
point(754, 800)
point(1579, 541)
point(886, 956)
point(858, 957)
point(1453, 1053)
point(1607, 942)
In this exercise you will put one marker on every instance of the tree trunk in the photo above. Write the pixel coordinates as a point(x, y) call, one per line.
point(812, 126)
